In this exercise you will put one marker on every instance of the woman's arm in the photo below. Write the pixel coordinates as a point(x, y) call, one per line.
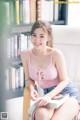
point(62, 72)
point(30, 83)
point(24, 57)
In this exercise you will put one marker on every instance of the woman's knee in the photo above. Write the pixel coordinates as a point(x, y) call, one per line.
point(43, 113)
point(40, 113)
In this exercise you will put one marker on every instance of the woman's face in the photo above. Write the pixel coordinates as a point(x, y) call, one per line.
point(39, 38)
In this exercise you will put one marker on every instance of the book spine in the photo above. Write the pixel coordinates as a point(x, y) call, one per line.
point(12, 12)
point(17, 11)
point(8, 47)
point(10, 78)
point(12, 54)
point(7, 79)
point(7, 12)
point(17, 76)
point(51, 10)
point(21, 11)
point(13, 77)
point(56, 10)
point(32, 4)
point(26, 12)
point(38, 10)
point(21, 77)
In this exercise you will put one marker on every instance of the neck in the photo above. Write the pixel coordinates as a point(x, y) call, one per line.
point(40, 52)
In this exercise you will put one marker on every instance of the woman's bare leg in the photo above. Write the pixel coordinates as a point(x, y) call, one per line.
point(67, 111)
point(43, 113)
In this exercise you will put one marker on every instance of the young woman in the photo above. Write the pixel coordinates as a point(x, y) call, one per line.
point(46, 65)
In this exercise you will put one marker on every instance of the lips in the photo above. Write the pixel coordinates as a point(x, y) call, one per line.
point(37, 44)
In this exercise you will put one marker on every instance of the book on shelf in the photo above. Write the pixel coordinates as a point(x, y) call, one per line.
point(46, 11)
point(12, 12)
point(26, 12)
point(15, 77)
point(54, 103)
point(21, 11)
point(56, 10)
point(32, 10)
point(16, 43)
point(17, 11)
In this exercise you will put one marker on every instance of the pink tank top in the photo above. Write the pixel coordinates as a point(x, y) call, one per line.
point(45, 77)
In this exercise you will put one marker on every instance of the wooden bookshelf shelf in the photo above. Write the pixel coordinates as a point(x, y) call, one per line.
point(21, 28)
point(15, 62)
point(58, 22)
point(26, 28)
point(14, 93)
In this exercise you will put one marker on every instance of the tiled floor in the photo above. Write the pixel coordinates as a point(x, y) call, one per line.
point(15, 108)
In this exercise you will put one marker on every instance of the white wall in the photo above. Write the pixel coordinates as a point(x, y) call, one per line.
point(74, 13)
point(67, 39)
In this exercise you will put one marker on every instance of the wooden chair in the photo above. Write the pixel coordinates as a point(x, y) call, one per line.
point(26, 103)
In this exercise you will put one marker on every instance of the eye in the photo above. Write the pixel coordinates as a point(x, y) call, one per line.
point(34, 35)
point(41, 36)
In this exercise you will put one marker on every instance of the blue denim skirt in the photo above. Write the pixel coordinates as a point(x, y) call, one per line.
point(69, 89)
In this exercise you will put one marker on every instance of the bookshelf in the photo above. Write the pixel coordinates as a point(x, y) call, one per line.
point(19, 28)
point(14, 93)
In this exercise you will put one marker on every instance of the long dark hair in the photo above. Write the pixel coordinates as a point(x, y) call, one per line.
point(47, 28)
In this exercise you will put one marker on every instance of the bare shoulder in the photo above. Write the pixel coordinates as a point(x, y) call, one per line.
point(24, 54)
point(57, 53)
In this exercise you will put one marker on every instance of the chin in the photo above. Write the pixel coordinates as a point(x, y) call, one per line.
point(38, 47)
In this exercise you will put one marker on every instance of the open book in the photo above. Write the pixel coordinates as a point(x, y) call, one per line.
point(54, 103)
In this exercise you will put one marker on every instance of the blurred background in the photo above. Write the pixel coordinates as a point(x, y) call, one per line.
point(3, 57)
point(20, 19)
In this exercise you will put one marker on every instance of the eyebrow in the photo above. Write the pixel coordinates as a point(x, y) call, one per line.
point(40, 34)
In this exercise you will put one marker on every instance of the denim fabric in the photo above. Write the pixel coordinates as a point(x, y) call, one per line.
point(69, 89)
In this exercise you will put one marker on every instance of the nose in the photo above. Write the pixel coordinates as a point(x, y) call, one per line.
point(37, 39)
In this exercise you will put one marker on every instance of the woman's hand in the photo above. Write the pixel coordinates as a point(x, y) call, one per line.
point(34, 95)
point(44, 100)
